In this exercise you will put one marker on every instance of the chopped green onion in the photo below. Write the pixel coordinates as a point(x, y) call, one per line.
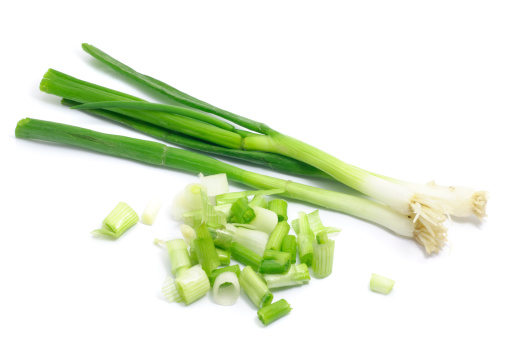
point(205, 250)
point(193, 218)
point(241, 212)
point(381, 284)
point(245, 256)
point(224, 208)
point(274, 311)
point(178, 256)
point(322, 262)
point(187, 200)
point(315, 224)
point(298, 274)
point(255, 287)
point(258, 201)
point(209, 212)
point(278, 234)
point(151, 211)
point(226, 288)
point(233, 196)
point(192, 284)
point(192, 254)
point(214, 185)
point(322, 237)
point(250, 238)
point(264, 221)
point(222, 238)
point(305, 239)
point(188, 233)
point(279, 207)
point(170, 291)
point(289, 246)
point(121, 218)
point(224, 256)
point(234, 268)
point(275, 262)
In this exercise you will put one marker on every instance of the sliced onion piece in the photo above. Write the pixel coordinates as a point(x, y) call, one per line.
point(226, 288)
point(151, 211)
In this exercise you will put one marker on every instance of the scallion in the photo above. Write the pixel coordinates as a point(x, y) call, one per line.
point(255, 287)
point(121, 218)
point(277, 236)
point(298, 274)
point(226, 288)
point(279, 207)
point(274, 311)
point(275, 262)
point(289, 246)
point(192, 284)
point(234, 268)
point(245, 256)
point(381, 284)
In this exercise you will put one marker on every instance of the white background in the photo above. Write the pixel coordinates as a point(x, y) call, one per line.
point(412, 89)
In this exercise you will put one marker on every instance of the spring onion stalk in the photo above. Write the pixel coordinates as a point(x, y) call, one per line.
point(315, 224)
point(178, 256)
point(322, 262)
point(226, 288)
point(193, 218)
point(170, 291)
point(150, 212)
point(214, 185)
point(187, 200)
point(274, 311)
point(245, 256)
point(192, 254)
point(121, 218)
point(278, 234)
point(222, 238)
point(381, 284)
point(158, 154)
point(279, 207)
point(224, 208)
point(242, 213)
point(275, 262)
point(209, 212)
point(270, 160)
point(192, 284)
point(298, 274)
point(264, 221)
point(233, 196)
point(252, 239)
point(427, 214)
point(234, 268)
point(255, 287)
point(258, 201)
point(224, 256)
point(289, 246)
point(188, 233)
point(205, 250)
point(305, 239)
point(65, 86)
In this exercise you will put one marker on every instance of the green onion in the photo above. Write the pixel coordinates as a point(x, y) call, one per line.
point(315, 224)
point(158, 154)
point(381, 284)
point(224, 256)
point(241, 212)
point(277, 236)
point(245, 256)
point(322, 262)
point(222, 238)
point(298, 274)
point(151, 211)
point(205, 250)
point(250, 238)
point(169, 290)
point(264, 220)
point(279, 207)
point(121, 218)
point(274, 311)
point(304, 240)
point(289, 246)
point(258, 201)
point(231, 197)
point(226, 288)
point(255, 287)
point(192, 284)
point(178, 256)
point(275, 262)
point(214, 185)
point(187, 201)
point(188, 233)
point(234, 268)
point(209, 212)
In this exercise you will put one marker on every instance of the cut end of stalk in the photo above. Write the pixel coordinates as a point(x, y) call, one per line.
point(429, 229)
point(479, 201)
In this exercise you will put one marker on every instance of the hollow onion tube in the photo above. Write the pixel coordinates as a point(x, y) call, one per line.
point(226, 288)
point(274, 311)
point(258, 201)
point(404, 199)
point(275, 262)
point(264, 220)
point(304, 240)
point(279, 207)
point(178, 256)
point(169, 290)
point(315, 224)
point(158, 154)
point(298, 274)
point(242, 213)
point(381, 284)
point(255, 287)
point(234, 268)
point(249, 238)
point(289, 246)
point(246, 256)
point(278, 234)
point(192, 284)
point(205, 250)
point(121, 218)
point(322, 261)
